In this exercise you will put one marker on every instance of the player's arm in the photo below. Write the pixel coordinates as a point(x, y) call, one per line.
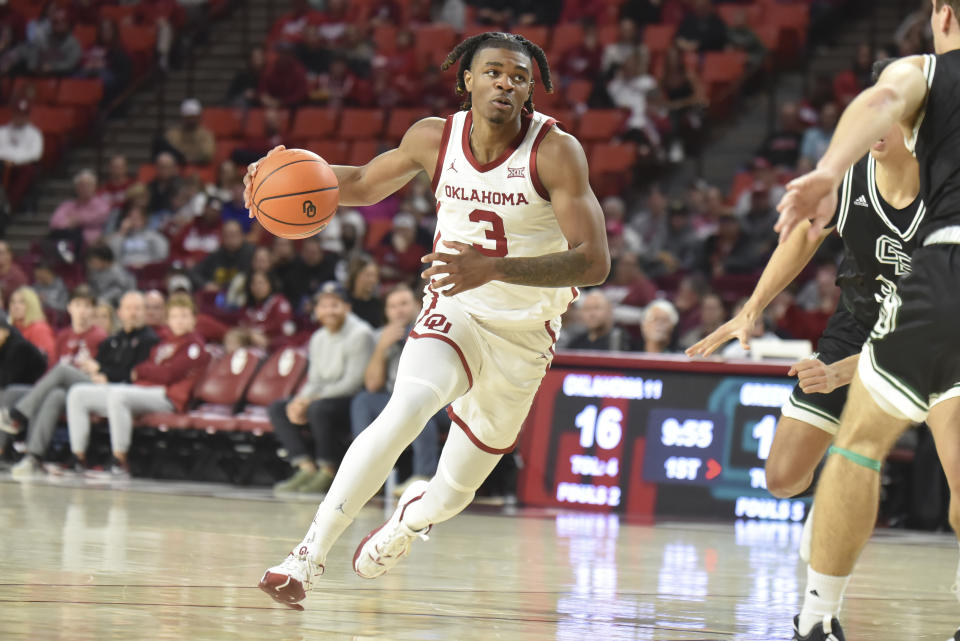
point(385, 174)
point(786, 263)
point(578, 212)
point(897, 98)
point(815, 377)
point(391, 170)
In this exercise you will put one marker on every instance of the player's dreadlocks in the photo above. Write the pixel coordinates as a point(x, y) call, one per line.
point(466, 50)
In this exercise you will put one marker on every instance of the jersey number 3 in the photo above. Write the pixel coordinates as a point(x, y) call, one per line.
point(496, 233)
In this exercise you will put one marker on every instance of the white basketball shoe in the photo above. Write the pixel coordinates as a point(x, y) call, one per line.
point(289, 582)
point(384, 547)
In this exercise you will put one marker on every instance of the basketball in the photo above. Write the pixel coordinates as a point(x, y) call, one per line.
point(295, 193)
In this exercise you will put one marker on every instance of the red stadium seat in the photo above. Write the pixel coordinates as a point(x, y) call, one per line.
point(146, 173)
point(223, 122)
point(224, 149)
point(547, 102)
point(85, 34)
point(255, 126)
point(277, 379)
point(335, 152)
point(433, 42)
point(567, 118)
point(362, 152)
point(313, 122)
point(385, 39)
point(658, 37)
point(177, 420)
point(137, 38)
point(608, 34)
point(376, 231)
point(723, 68)
point(600, 124)
point(538, 35)
point(118, 13)
point(565, 37)
point(611, 165)
point(401, 119)
point(221, 389)
point(578, 92)
point(729, 11)
point(361, 124)
point(53, 120)
point(80, 92)
point(39, 91)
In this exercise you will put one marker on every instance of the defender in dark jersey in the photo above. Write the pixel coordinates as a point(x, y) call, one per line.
point(877, 217)
point(909, 369)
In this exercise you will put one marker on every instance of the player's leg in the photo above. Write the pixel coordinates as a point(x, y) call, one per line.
point(943, 420)
point(797, 449)
point(846, 500)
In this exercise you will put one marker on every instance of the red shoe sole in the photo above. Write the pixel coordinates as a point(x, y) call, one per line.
point(283, 589)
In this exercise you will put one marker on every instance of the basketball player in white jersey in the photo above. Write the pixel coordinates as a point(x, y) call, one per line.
point(518, 230)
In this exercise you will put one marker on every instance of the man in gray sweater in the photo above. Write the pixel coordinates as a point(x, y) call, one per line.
point(338, 357)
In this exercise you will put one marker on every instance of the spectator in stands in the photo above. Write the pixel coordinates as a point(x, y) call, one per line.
point(659, 321)
point(782, 147)
point(703, 29)
point(38, 410)
point(817, 138)
point(12, 29)
point(627, 44)
point(266, 318)
point(587, 12)
point(57, 53)
point(712, 315)
point(232, 257)
point(761, 329)
point(847, 84)
point(820, 293)
point(913, 36)
point(26, 314)
point(758, 224)
point(628, 284)
point(21, 364)
point(615, 214)
point(434, 92)
point(336, 87)
point(284, 82)
point(11, 276)
point(106, 59)
point(105, 316)
point(402, 308)
point(53, 293)
point(318, 266)
point(693, 287)
point(741, 37)
point(234, 210)
point(108, 279)
point(245, 86)
point(585, 59)
point(39, 26)
point(398, 255)
point(165, 185)
point(601, 334)
point(155, 312)
point(78, 342)
point(728, 251)
point(21, 147)
point(628, 90)
point(200, 237)
point(651, 221)
point(161, 383)
point(135, 245)
point(680, 247)
point(83, 217)
point(118, 182)
point(339, 353)
point(645, 12)
point(363, 286)
point(763, 173)
point(686, 99)
point(189, 140)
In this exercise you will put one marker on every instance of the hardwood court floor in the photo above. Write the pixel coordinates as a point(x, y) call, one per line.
point(158, 561)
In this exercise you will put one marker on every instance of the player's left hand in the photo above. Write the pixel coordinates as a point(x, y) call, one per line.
point(465, 270)
point(815, 377)
point(812, 196)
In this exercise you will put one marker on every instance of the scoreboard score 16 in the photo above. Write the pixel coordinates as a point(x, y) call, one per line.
point(655, 437)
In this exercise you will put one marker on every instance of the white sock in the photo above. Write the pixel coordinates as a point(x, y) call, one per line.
point(328, 524)
point(822, 598)
point(956, 580)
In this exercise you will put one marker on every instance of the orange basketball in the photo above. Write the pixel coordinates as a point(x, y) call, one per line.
point(295, 193)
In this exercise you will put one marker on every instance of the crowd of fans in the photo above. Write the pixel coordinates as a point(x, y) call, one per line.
point(163, 263)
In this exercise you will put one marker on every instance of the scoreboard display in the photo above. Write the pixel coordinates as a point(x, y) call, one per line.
point(655, 437)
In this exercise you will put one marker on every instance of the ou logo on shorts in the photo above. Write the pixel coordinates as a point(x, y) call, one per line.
point(437, 322)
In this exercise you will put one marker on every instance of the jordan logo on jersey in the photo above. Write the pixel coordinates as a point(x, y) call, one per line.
point(451, 167)
point(437, 322)
point(890, 252)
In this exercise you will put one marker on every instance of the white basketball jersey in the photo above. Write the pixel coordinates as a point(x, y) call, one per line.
point(502, 209)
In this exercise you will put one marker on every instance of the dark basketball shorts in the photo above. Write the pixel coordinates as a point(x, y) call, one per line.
point(912, 360)
point(843, 337)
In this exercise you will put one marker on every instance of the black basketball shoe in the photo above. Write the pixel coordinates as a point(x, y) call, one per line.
point(955, 637)
point(823, 631)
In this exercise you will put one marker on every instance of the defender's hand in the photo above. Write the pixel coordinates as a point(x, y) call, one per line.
point(812, 196)
point(738, 327)
point(814, 377)
point(251, 174)
point(465, 271)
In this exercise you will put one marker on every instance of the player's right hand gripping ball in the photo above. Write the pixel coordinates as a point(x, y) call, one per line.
point(294, 193)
